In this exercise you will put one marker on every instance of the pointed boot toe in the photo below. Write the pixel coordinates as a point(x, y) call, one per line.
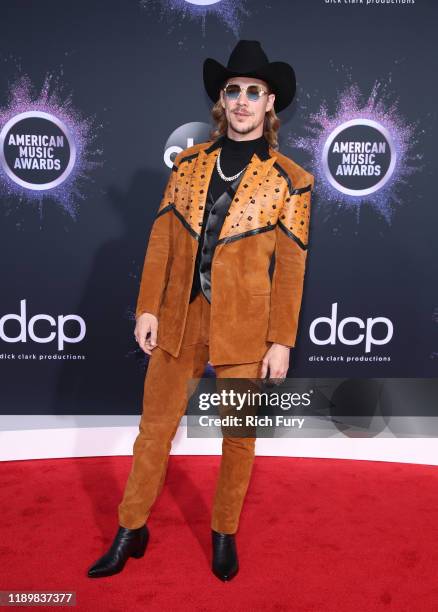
point(127, 543)
point(225, 563)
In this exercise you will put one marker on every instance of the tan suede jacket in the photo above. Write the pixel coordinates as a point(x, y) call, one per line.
point(269, 213)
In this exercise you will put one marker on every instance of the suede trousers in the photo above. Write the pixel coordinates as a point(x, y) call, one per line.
point(165, 398)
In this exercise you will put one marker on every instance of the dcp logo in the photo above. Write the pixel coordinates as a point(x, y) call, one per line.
point(28, 328)
point(336, 330)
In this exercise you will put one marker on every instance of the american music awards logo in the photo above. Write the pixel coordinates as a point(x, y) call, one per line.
point(362, 152)
point(174, 12)
point(359, 157)
point(37, 150)
point(47, 147)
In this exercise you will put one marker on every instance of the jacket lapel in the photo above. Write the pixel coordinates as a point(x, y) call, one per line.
point(199, 181)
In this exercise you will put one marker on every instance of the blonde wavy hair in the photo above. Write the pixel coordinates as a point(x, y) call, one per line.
point(270, 128)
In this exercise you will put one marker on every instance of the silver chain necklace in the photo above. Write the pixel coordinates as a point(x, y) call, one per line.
point(222, 175)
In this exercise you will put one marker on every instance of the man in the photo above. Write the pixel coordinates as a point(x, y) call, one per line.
point(206, 295)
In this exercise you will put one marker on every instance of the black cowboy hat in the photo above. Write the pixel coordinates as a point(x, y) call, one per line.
point(249, 59)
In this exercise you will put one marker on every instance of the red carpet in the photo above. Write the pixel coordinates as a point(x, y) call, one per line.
point(315, 535)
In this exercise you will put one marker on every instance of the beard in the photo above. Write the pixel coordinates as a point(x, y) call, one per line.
point(244, 129)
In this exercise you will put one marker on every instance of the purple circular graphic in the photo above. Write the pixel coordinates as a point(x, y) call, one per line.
point(37, 150)
point(359, 157)
point(203, 2)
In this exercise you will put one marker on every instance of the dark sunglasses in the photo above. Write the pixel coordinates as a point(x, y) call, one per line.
point(253, 92)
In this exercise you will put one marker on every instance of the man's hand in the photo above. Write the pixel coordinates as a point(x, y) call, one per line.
point(277, 360)
point(146, 323)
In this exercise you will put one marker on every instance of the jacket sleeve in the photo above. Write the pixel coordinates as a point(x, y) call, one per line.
point(292, 233)
point(159, 251)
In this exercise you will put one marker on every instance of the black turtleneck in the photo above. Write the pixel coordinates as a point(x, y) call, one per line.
point(235, 156)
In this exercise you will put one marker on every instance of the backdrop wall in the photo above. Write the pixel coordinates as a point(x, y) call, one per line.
point(95, 101)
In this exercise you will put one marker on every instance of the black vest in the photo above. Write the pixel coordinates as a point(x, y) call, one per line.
point(214, 217)
point(216, 209)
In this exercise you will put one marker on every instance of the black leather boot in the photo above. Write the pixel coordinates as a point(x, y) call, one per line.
point(127, 543)
point(225, 564)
